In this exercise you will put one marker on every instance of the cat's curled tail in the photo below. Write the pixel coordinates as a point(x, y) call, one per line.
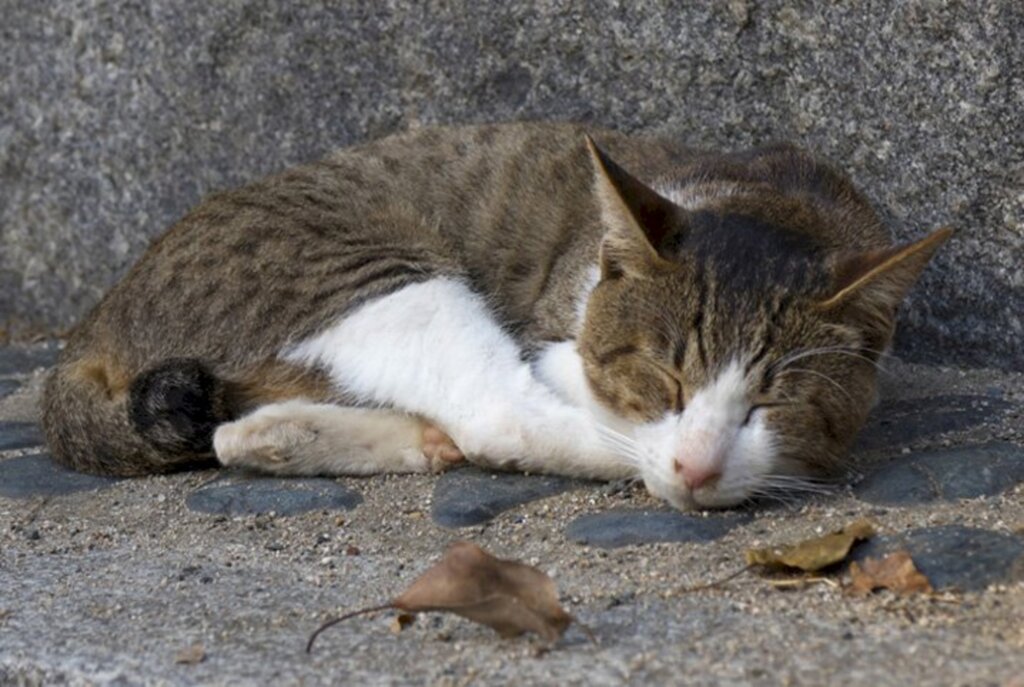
point(99, 420)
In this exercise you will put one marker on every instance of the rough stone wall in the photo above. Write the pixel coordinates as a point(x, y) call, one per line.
point(116, 117)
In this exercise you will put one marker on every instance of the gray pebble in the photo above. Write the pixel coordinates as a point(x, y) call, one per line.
point(471, 496)
point(8, 387)
point(615, 528)
point(25, 360)
point(244, 495)
point(898, 423)
point(19, 435)
point(38, 475)
point(955, 557)
point(945, 475)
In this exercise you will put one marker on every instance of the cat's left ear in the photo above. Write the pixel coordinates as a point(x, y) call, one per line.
point(639, 222)
point(879, 280)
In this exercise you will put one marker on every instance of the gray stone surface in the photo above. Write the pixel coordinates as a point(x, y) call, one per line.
point(119, 117)
point(25, 359)
point(955, 473)
point(37, 475)
point(897, 423)
point(471, 496)
point(955, 557)
point(249, 495)
point(614, 528)
point(8, 387)
point(19, 435)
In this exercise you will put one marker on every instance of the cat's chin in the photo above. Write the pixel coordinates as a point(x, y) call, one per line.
point(681, 498)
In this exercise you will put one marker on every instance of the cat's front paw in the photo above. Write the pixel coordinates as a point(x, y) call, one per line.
point(265, 444)
point(439, 450)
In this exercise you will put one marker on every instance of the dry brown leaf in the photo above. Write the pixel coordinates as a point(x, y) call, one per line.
point(191, 655)
point(896, 572)
point(510, 597)
point(813, 554)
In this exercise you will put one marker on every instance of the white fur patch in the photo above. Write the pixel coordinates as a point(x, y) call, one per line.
point(592, 277)
point(695, 196)
point(709, 435)
point(434, 349)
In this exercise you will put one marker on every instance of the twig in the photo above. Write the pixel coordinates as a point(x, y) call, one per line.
point(334, 621)
point(716, 583)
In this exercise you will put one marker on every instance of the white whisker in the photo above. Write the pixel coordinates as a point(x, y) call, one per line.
point(821, 375)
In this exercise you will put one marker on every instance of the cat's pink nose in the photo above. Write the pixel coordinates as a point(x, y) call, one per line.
point(697, 476)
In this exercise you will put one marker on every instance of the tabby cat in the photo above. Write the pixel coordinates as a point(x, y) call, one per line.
point(507, 293)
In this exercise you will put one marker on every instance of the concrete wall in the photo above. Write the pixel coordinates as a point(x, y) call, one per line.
point(119, 116)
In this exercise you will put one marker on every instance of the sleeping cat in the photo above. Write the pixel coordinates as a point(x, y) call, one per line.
point(710, 323)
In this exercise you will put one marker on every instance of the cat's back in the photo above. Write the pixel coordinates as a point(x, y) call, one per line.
point(509, 206)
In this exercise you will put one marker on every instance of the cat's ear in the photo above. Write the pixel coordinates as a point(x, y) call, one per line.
point(877, 281)
point(637, 219)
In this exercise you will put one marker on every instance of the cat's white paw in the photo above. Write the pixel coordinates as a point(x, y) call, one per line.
point(261, 443)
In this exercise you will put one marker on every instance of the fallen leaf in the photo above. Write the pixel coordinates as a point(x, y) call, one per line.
point(191, 655)
point(510, 597)
point(813, 554)
point(400, 622)
point(896, 572)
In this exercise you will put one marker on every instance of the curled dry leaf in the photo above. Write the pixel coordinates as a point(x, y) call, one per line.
point(510, 597)
point(896, 572)
point(813, 554)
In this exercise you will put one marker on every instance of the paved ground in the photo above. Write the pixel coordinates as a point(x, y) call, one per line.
point(106, 581)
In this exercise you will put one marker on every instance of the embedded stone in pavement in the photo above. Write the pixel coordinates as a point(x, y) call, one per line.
point(898, 423)
point(471, 496)
point(244, 495)
point(23, 360)
point(8, 387)
point(38, 475)
point(955, 557)
point(945, 475)
point(616, 528)
point(19, 435)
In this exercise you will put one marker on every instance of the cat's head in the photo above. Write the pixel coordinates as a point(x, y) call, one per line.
point(734, 343)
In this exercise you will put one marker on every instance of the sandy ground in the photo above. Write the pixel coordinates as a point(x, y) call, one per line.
point(109, 586)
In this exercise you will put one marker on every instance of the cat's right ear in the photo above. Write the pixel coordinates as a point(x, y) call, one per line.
point(637, 220)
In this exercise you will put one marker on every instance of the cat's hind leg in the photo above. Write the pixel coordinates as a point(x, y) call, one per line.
point(299, 437)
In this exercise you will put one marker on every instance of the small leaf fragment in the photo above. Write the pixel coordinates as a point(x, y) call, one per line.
point(814, 554)
point(191, 655)
point(400, 622)
point(895, 571)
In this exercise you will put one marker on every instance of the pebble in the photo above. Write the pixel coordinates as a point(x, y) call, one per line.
point(251, 495)
point(896, 423)
point(622, 527)
point(954, 557)
point(470, 496)
point(8, 387)
point(38, 475)
point(19, 435)
point(22, 360)
point(945, 475)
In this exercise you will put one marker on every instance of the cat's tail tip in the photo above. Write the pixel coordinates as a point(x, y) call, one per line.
point(176, 406)
point(100, 419)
